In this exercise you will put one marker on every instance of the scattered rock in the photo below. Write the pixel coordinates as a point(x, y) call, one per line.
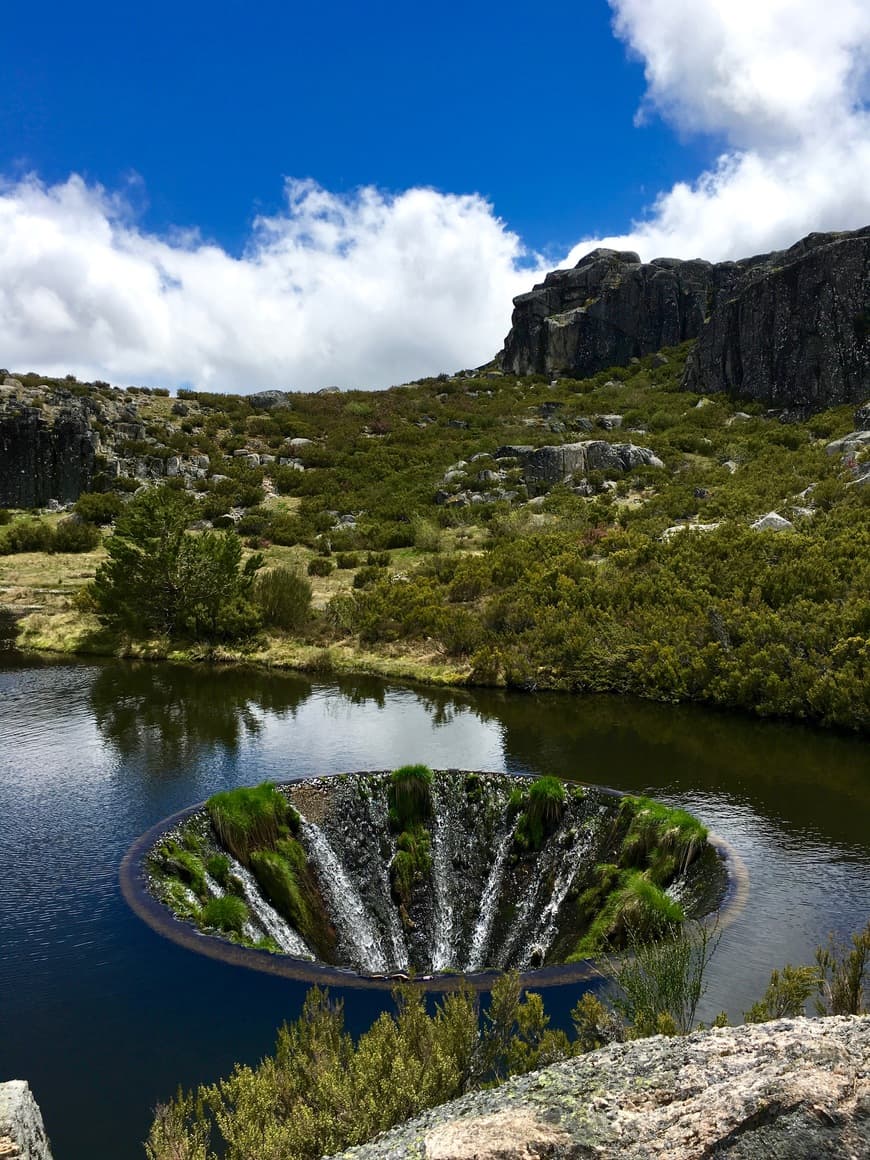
point(267, 400)
point(850, 444)
point(862, 416)
point(608, 422)
point(772, 522)
point(670, 532)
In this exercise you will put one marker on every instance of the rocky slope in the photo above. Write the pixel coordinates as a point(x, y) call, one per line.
point(791, 327)
point(796, 1088)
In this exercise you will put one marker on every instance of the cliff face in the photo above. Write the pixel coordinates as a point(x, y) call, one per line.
point(791, 328)
point(796, 1088)
point(796, 333)
point(44, 457)
point(611, 307)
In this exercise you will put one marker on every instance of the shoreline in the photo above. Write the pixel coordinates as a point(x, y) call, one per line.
point(67, 633)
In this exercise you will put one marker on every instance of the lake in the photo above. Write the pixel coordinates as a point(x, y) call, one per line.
point(105, 1018)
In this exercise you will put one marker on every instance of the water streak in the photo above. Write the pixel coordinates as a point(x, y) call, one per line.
point(275, 927)
point(352, 919)
point(490, 899)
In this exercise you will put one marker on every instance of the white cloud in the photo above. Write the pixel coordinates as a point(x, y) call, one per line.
point(365, 290)
point(372, 289)
point(785, 83)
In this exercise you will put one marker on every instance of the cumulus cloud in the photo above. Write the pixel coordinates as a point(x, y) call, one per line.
point(372, 289)
point(784, 84)
point(364, 290)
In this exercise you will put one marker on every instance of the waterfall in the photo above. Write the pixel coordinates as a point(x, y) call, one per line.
point(490, 899)
point(352, 920)
point(284, 936)
point(443, 876)
point(567, 868)
point(378, 819)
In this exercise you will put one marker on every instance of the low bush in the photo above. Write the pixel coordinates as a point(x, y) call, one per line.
point(320, 566)
point(283, 597)
point(99, 507)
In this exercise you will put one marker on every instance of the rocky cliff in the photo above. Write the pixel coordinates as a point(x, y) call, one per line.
point(791, 327)
point(45, 454)
point(796, 331)
point(796, 1088)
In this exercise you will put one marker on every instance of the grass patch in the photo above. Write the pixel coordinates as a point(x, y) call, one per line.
point(249, 818)
point(227, 913)
point(411, 862)
point(663, 839)
point(410, 795)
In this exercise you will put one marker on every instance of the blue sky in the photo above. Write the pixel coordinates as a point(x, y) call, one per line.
point(237, 195)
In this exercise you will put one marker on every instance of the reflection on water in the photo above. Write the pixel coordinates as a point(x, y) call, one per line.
point(97, 1010)
point(168, 715)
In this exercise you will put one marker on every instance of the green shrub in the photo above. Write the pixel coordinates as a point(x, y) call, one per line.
point(320, 566)
point(227, 913)
point(368, 576)
point(5, 517)
point(347, 559)
point(99, 507)
point(249, 818)
point(27, 536)
point(71, 536)
point(283, 597)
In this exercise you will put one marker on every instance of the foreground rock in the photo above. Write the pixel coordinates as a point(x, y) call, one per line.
point(791, 328)
point(796, 1088)
point(22, 1133)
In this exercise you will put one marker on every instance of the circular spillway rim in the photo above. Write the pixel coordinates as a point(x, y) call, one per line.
point(134, 887)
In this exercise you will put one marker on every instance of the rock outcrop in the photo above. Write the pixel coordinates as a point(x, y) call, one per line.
point(610, 308)
point(796, 1088)
point(791, 327)
point(44, 456)
point(22, 1133)
point(796, 332)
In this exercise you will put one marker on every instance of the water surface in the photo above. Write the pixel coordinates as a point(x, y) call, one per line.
point(105, 1018)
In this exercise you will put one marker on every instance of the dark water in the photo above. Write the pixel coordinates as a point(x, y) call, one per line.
point(105, 1018)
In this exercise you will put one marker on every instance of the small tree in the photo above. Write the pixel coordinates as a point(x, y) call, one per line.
point(158, 578)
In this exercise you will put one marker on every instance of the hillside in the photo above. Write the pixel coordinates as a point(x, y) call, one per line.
point(644, 529)
point(571, 534)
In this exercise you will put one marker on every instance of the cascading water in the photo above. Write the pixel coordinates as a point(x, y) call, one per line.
point(267, 917)
point(363, 942)
point(490, 897)
point(488, 886)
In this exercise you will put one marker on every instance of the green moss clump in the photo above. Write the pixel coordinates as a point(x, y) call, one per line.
point(659, 838)
point(410, 795)
point(622, 902)
point(227, 913)
point(250, 818)
point(542, 809)
point(283, 876)
point(411, 862)
point(218, 866)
